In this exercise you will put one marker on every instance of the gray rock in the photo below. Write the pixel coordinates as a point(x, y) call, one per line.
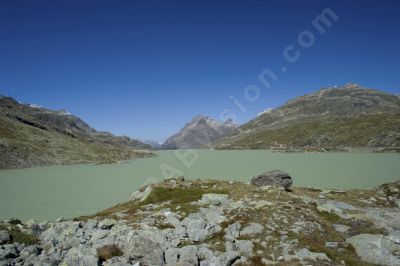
point(8, 251)
point(188, 256)
point(31, 224)
point(141, 195)
point(232, 231)
point(30, 250)
point(252, 229)
point(43, 226)
point(394, 237)
point(330, 208)
point(375, 249)
point(198, 229)
point(305, 254)
point(149, 221)
point(205, 255)
point(99, 234)
point(258, 204)
point(34, 227)
point(341, 228)
point(333, 245)
point(195, 225)
point(273, 178)
point(117, 261)
point(215, 199)
point(139, 246)
point(107, 224)
point(4, 237)
point(80, 256)
point(397, 202)
point(90, 225)
point(213, 214)
point(240, 246)
point(229, 258)
point(172, 256)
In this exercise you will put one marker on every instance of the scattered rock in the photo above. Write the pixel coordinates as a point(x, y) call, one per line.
point(213, 214)
point(119, 261)
point(4, 237)
point(305, 254)
point(187, 256)
point(199, 229)
point(138, 245)
point(376, 249)
point(252, 229)
point(13, 221)
point(215, 199)
point(258, 204)
point(8, 251)
point(240, 246)
point(333, 245)
point(141, 195)
point(232, 232)
point(394, 237)
point(273, 178)
point(107, 224)
point(30, 250)
point(335, 207)
point(341, 228)
point(180, 178)
point(80, 256)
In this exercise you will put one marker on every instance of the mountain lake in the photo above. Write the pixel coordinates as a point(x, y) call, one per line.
point(45, 193)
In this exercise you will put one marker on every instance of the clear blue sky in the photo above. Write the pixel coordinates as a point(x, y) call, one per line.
point(144, 68)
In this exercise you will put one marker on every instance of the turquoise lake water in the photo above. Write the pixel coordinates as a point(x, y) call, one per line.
point(46, 193)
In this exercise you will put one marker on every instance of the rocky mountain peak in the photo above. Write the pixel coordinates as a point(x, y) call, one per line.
point(201, 131)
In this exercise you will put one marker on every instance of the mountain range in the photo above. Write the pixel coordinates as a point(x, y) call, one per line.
point(31, 135)
point(350, 116)
point(200, 132)
point(335, 118)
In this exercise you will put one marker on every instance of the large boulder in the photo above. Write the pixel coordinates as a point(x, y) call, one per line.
point(198, 229)
point(141, 195)
point(4, 237)
point(141, 246)
point(273, 178)
point(80, 256)
point(376, 249)
point(252, 229)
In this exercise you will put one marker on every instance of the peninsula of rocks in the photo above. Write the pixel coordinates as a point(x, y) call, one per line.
point(217, 223)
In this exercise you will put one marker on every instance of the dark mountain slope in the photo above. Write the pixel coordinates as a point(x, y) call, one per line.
point(35, 136)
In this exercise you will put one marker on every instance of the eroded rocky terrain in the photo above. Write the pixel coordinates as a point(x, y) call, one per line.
point(206, 222)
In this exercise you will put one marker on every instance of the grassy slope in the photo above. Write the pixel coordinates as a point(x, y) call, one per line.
point(25, 146)
point(351, 132)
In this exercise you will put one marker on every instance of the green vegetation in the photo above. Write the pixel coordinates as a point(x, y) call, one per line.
point(358, 131)
point(39, 137)
point(109, 251)
point(18, 236)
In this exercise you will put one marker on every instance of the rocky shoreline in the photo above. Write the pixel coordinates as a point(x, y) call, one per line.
point(212, 223)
